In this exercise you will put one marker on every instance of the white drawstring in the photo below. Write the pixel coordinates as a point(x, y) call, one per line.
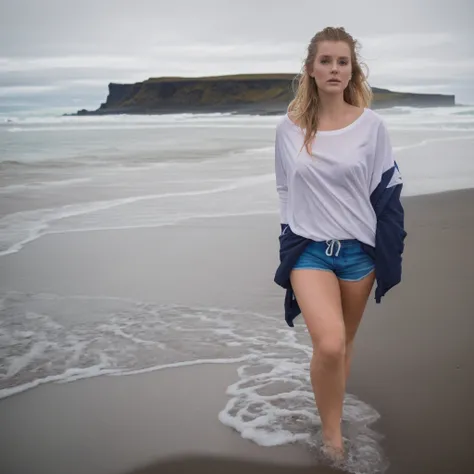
point(330, 249)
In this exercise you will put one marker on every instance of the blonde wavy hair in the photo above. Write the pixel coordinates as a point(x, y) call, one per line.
point(304, 108)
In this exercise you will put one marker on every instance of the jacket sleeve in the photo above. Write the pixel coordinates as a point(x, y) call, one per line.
point(281, 179)
point(386, 187)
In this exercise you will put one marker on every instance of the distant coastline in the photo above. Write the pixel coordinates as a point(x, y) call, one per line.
point(256, 94)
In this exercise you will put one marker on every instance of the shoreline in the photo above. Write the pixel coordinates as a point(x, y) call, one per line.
point(19, 246)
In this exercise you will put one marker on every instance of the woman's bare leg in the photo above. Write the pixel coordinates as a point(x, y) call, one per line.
point(354, 296)
point(318, 295)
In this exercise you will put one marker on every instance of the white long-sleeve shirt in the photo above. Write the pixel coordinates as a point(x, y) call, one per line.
point(326, 195)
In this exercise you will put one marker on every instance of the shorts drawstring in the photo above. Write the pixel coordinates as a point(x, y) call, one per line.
point(330, 249)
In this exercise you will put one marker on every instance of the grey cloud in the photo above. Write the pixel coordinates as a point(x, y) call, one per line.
point(33, 27)
point(79, 47)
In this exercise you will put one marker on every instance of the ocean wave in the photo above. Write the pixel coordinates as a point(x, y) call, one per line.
point(38, 185)
point(447, 118)
point(111, 122)
point(427, 141)
point(18, 229)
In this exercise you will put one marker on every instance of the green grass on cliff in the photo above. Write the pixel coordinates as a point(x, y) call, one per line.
point(235, 77)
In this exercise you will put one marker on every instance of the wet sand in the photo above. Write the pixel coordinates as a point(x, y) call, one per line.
point(413, 361)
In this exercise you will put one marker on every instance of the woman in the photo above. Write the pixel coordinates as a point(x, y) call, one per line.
point(341, 217)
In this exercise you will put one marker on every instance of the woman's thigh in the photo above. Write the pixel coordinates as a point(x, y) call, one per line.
point(319, 298)
point(354, 296)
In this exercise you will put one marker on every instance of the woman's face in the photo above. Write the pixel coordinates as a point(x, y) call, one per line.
point(332, 67)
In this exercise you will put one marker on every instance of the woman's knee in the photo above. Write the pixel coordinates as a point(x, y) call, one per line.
point(331, 348)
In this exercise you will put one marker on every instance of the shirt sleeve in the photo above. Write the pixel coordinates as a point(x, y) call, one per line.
point(281, 178)
point(384, 160)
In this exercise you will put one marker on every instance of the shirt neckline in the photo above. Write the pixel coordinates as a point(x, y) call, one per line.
point(336, 131)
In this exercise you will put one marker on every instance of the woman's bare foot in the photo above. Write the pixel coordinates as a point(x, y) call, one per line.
point(334, 454)
point(334, 448)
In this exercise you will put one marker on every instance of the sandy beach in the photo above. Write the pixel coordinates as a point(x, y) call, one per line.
point(413, 363)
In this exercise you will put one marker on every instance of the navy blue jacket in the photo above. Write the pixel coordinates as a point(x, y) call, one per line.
point(387, 253)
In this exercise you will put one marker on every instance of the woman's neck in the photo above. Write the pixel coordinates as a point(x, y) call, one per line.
point(332, 106)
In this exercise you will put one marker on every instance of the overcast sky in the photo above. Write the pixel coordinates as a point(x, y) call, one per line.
point(65, 52)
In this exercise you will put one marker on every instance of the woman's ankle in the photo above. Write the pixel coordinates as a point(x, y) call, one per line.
point(333, 439)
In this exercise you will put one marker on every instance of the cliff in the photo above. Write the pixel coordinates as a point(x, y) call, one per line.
point(253, 93)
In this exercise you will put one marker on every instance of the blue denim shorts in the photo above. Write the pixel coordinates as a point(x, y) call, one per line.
point(346, 258)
